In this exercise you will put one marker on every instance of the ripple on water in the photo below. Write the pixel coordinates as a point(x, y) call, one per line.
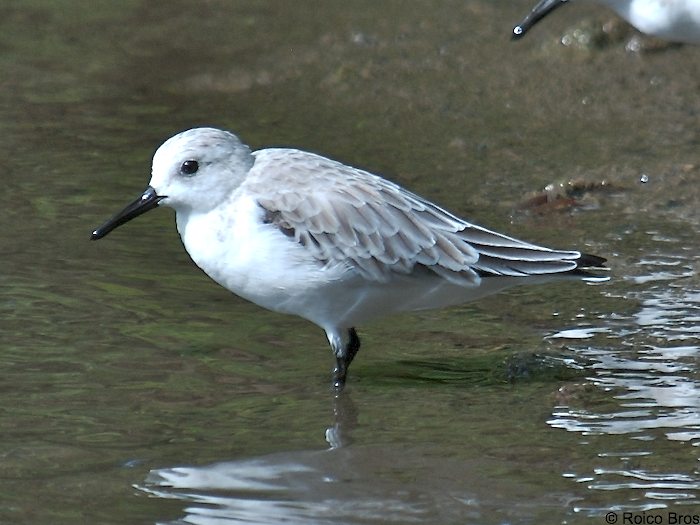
point(645, 361)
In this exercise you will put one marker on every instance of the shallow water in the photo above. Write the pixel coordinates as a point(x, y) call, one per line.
point(136, 391)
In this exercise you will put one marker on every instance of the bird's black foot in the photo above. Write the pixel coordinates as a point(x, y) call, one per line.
point(343, 360)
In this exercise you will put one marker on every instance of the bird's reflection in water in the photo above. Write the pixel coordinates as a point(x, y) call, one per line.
point(307, 486)
point(353, 482)
point(344, 421)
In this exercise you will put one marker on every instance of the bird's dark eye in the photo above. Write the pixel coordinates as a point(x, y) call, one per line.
point(189, 167)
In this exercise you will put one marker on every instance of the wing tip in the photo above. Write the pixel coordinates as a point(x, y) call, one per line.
point(591, 268)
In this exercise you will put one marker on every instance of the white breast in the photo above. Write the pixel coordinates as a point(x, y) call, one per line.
point(252, 259)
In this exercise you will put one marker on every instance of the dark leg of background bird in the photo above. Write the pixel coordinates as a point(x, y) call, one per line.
point(344, 358)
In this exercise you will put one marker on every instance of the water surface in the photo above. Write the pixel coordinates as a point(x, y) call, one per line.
point(134, 390)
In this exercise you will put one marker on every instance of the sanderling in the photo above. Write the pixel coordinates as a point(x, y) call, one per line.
point(672, 20)
point(298, 233)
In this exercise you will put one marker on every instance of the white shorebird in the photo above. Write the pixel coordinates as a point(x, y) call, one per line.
point(672, 20)
point(301, 234)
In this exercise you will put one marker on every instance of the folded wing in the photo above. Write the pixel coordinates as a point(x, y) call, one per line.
point(350, 217)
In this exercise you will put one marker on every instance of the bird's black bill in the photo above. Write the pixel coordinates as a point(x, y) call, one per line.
point(148, 200)
point(542, 9)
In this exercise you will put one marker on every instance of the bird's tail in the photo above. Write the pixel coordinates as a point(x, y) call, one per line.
point(591, 268)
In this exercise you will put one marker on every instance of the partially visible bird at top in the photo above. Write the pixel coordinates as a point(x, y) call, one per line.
point(673, 20)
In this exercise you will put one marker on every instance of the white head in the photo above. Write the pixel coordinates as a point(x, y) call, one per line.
point(195, 171)
point(198, 168)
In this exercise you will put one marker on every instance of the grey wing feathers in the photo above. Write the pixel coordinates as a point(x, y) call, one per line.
point(351, 217)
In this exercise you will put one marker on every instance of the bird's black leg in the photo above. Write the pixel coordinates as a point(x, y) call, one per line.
point(344, 358)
